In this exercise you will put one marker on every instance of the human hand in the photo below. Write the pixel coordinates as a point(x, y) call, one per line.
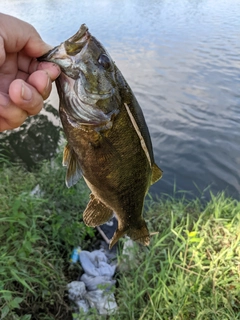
point(24, 82)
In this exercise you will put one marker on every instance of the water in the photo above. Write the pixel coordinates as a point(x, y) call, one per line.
point(182, 60)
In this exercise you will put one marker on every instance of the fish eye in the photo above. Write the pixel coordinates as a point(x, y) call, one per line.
point(104, 61)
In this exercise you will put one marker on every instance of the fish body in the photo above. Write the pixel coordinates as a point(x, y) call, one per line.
point(108, 139)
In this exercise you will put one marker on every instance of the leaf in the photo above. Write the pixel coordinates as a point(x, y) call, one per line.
point(5, 312)
point(15, 302)
point(22, 281)
point(6, 295)
point(191, 240)
point(192, 234)
point(26, 317)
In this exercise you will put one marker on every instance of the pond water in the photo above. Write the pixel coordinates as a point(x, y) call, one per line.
point(182, 61)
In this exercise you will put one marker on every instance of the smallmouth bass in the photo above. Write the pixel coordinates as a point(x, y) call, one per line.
point(108, 140)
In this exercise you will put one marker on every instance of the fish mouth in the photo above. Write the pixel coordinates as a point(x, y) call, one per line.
point(52, 54)
point(63, 54)
point(57, 55)
point(49, 55)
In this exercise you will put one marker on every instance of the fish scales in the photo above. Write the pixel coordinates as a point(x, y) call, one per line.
point(108, 139)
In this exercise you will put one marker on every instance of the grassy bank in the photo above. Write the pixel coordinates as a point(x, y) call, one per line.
point(192, 270)
point(37, 234)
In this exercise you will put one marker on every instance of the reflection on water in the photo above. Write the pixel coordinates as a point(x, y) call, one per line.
point(181, 58)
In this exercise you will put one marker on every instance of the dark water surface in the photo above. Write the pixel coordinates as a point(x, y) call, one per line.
point(182, 60)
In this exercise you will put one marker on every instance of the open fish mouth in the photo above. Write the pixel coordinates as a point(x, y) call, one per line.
point(69, 47)
point(56, 55)
point(48, 55)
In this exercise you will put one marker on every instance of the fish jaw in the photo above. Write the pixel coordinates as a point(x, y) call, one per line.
point(65, 54)
point(83, 59)
point(66, 62)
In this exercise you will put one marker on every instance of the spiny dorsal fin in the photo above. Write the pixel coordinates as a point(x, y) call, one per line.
point(74, 172)
point(156, 173)
point(96, 213)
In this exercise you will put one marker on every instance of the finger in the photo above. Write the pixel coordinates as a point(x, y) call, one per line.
point(10, 115)
point(28, 66)
point(42, 82)
point(52, 69)
point(19, 34)
point(8, 72)
point(25, 96)
point(26, 63)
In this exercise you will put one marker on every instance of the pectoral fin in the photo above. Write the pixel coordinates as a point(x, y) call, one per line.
point(70, 160)
point(96, 213)
point(156, 173)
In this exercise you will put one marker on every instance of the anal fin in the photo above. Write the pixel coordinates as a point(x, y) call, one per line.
point(156, 173)
point(96, 213)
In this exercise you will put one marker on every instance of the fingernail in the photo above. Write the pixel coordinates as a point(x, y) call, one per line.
point(26, 93)
point(52, 68)
point(46, 90)
point(4, 99)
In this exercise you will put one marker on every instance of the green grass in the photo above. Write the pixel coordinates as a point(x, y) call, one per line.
point(37, 235)
point(191, 270)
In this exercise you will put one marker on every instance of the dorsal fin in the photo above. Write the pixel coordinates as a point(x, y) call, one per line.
point(138, 131)
point(156, 173)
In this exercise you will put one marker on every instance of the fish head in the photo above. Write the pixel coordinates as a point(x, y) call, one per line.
point(83, 59)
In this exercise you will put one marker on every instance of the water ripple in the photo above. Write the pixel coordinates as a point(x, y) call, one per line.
point(182, 61)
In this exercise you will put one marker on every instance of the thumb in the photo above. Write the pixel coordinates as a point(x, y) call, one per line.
point(36, 47)
point(19, 35)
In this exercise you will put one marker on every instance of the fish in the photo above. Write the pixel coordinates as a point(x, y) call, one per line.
point(108, 141)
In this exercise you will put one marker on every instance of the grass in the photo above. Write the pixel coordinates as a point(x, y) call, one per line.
point(191, 270)
point(37, 234)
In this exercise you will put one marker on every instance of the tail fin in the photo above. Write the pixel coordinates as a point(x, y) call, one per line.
point(117, 235)
point(138, 233)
